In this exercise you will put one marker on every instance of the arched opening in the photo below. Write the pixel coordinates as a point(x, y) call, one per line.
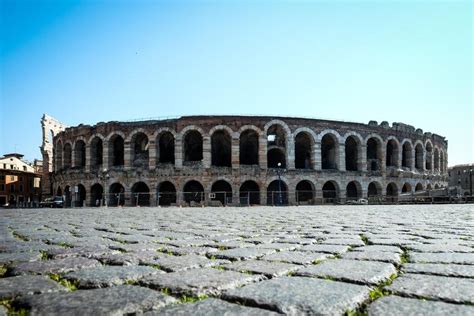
point(374, 154)
point(221, 149)
point(166, 193)
point(223, 192)
point(419, 157)
point(392, 192)
point(429, 156)
point(436, 159)
point(436, 186)
point(116, 149)
point(276, 146)
point(140, 150)
point(59, 192)
point(67, 159)
point(193, 192)
point(303, 150)
point(59, 156)
point(419, 187)
point(192, 146)
point(353, 191)
point(80, 154)
point(67, 196)
point(330, 193)
point(304, 192)
point(392, 153)
point(275, 156)
point(407, 155)
point(248, 145)
point(166, 148)
point(406, 188)
point(140, 194)
point(50, 136)
point(80, 195)
point(374, 189)
point(117, 195)
point(97, 192)
point(352, 153)
point(277, 193)
point(442, 165)
point(249, 193)
point(428, 187)
point(328, 152)
point(96, 153)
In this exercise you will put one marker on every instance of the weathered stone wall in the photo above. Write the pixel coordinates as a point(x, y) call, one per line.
point(431, 150)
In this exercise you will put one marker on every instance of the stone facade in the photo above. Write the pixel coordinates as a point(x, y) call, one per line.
point(238, 154)
point(462, 176)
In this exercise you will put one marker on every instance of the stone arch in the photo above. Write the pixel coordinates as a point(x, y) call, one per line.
point(437, 186)
point(304, 148)
point(96, 147)
point(277, 193)
point(80, 195)
point(330, 191)
point(140, 194)
point(329, 151)
point(97, 192)
point(305, 191)
point(221, 128)
point(222, 190)
point(249, 193)
point(80, 153)
point(277, 144)
point(419, 187)
point(392, 192)
point(249, 146)
point(419, 155)
point(67, 196)
point(59, 191)
point(140, 153)
point(392, 148)
point(353, 151)
point(407, 153)
point(374, 154)
point(67, 155)
point(166, 193)
point(58, 155)
point(165, 146)
point(221, 147)
point(436, 159)
point(353, 190)
point(277, 122)
point(116, 143)
point(428, 155)
point(406, 188)
point(193, 192)
point(116, 194)
point(374, 189)
point(192, 144)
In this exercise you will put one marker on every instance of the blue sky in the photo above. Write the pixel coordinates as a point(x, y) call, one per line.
point(92, 61)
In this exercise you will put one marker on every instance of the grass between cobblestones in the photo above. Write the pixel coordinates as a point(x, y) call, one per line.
point(71, 285)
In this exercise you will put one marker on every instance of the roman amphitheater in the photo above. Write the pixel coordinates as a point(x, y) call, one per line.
point(235, 160)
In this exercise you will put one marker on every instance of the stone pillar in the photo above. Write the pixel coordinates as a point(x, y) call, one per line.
point(290, 153)
point(362, 158)
point(383, 158)
point(88, 158)
point(105, 156)
point(152, 155)
point(411, 161)
point(263, 195)
point(206, 152)
point(235, 153)
point(87, 201)
point(127, 156)
point(341, 163)
point(178, 153)
point(262, 152)
point(317, 156)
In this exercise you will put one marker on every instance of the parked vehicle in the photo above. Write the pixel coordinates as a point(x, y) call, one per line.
point(55, 202)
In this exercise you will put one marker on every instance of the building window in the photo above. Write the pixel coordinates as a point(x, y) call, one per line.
point(2, 187)
point(24, 168)
point(12, 188)
point(4, 166)
point(2, 177)
point(21, 188)
point(12, 178)
point(21, 178)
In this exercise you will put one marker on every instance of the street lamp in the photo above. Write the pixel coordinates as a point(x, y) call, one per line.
point(279, 171)
point(104, 176)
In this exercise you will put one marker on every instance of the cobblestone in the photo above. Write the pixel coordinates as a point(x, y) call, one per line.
point(323, 259)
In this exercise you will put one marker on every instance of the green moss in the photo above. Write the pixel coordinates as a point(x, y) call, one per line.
point(218, 267)
point(44, 255)
point(65, 245)
point(317, 261)
point(6, 302)
point(364, 239)
point(156, 266)
point(3, 270)
point(188, 299)
point(19, 236)
point(131, 282)
point(165, 291)
point(404, 257)
point(71, 285)
point(222, 248)
point(355, 313)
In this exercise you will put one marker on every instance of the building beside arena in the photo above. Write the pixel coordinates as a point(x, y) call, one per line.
point(239, 160)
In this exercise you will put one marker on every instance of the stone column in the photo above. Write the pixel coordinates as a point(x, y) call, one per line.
point(341, 163)
point(362, 158)
point(383, 158)
point(152, 155)
point(105, 156)
point(290, 153)
point(317, 156)
point(411, 161)
point(178, 153)
point(235, 153)
point(127, 156)
point(206, 152)
point(262, 152)
point(88, 158)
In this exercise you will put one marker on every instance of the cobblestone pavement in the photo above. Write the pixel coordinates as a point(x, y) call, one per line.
point(380, 260)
